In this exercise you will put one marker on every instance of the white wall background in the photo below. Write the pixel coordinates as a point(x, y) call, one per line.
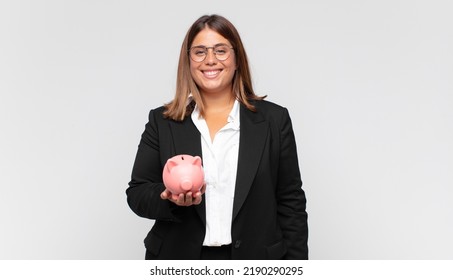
point(368, 84)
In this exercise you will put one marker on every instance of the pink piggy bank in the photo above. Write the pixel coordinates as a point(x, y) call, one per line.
point(183, 173)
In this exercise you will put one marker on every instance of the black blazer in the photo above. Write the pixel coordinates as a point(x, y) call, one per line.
point(269, 217)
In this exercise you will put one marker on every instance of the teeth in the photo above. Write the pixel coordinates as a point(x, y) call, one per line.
point(211, 73)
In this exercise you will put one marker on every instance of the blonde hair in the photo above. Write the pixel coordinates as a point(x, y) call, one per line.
point(180, 106)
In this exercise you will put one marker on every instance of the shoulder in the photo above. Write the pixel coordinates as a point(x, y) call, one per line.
point(267, 105)
point(270, 110)
point(157, 114)
point(156, 118)
point(159, 111)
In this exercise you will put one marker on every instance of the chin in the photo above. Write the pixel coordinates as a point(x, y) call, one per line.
point(209, 89)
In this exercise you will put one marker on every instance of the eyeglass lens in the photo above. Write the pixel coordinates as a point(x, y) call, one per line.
point(199, 53)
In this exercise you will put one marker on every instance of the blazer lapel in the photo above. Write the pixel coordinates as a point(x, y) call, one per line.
point(186, 140)
point(254, 131)
point(186, 137)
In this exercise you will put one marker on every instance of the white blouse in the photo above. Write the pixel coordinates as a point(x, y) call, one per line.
point(220, 159)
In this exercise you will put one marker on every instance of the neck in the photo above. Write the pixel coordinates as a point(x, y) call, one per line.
point(218, 102)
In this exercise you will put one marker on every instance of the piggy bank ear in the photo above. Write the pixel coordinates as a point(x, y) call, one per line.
point(170, 164)
point(196, 161)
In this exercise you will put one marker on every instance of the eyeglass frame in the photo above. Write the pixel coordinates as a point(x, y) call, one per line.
point(206, 53)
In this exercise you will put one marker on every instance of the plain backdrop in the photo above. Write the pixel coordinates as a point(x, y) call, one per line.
point(368, 85)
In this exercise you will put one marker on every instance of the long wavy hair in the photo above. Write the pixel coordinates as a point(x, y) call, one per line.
point(180, 106)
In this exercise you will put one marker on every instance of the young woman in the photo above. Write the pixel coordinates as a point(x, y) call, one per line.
point(252, 205)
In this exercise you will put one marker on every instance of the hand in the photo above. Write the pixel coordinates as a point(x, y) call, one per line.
point(187, 199)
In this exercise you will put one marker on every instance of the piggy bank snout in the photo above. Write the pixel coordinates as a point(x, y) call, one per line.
point(186, 185)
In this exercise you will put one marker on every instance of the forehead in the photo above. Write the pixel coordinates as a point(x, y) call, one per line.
point(208, 37)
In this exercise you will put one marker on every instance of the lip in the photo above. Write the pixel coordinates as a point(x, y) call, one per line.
point(211, 73)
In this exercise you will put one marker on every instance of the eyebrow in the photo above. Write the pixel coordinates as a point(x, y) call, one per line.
point(216, 45)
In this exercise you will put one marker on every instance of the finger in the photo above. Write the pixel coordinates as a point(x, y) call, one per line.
point(181, 199)
point(188, 199)
point(197, 200)
point(198, 195)
point(165, 194)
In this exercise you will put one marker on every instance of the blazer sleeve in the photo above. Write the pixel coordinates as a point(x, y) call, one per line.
point(146, 185)
point(291, 198)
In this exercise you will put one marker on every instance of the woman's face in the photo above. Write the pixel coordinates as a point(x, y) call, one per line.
point(213, 76)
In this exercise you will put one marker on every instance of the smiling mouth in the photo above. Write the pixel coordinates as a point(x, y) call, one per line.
point(211, 73)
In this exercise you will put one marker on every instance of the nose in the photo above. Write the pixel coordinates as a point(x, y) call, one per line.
point(210, 57)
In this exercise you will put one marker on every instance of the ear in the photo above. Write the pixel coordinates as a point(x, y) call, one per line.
point(196, 161)
point(170, 164)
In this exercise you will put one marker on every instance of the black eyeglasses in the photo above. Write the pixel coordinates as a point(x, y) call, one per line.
point(221, 51)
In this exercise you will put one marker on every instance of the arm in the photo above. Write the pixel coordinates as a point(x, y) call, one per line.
point(145, 187)
point(147, 195)
point(290, 196)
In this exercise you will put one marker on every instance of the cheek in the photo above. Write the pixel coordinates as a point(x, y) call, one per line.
point(192, 69)
point(194, 72)
point(232, 69)
point(232, 66)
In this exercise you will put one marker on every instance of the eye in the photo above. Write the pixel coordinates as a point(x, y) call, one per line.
point(221, 49)
point(198, 51)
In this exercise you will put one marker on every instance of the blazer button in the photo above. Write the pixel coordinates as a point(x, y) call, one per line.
point(237, 244)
